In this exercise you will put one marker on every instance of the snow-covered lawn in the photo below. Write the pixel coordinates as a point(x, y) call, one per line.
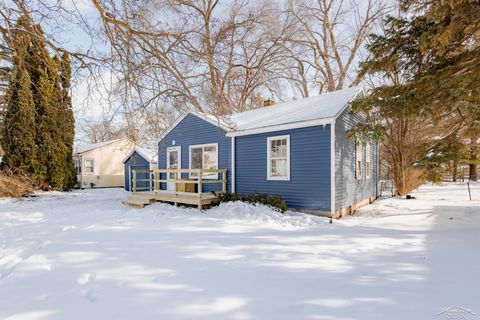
point(82, 255)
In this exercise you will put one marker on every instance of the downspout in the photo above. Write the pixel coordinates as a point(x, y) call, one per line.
point(332, 167)
point(232, 173)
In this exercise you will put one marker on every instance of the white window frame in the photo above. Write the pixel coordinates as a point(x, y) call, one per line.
point(210, 176)
point(171, 185)
point(358, 155)
point(368, 162)
point(269, 162)
point(85, 166)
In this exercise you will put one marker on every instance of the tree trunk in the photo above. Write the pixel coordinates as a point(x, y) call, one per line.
point(472, 172)
point(454, 171)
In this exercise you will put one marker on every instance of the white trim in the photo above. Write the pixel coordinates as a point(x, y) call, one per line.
point(332, 168)
point(360, 91)
point(210, 119)
point(357, 144)
point(280, 127)
point(129, 178)
point(269, 169)
point(215, 177)
point(167, 165)
point(232, 164)
point(149, 158)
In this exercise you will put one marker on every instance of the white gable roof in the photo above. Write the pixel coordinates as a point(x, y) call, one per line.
point(148, 155)
point(325, 106)
point(318, 110)
point(88, 147)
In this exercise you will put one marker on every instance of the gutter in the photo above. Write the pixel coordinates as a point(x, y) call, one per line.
point(281, 127)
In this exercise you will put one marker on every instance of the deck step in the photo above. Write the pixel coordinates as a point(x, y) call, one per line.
point(141, 199)
point(134, 204)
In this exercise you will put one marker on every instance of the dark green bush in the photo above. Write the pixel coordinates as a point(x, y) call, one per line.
point(275, 202)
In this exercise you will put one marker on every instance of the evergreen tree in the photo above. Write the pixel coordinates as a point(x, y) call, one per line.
point(39, 118)
point(18, 129)
point(429, 59)
point(69, 129)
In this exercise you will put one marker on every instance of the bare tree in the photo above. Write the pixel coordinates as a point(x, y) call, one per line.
point(326, 51)
point(100, 131)
point(204, 55)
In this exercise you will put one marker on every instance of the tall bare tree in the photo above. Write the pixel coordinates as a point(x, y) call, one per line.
point(211, 56)
point(327, 49)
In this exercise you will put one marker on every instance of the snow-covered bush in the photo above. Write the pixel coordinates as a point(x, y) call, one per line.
point(275, 202)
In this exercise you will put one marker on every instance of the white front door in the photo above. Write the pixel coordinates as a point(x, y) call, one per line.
point(174, 161)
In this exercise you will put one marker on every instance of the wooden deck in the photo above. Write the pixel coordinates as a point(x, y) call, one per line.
point(154, 192)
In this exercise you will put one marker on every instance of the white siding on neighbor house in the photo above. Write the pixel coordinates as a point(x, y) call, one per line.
point(108, 168)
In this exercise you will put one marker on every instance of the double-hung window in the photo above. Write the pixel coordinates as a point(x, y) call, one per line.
point(89, 166)
point(367, 160)
point(278, 158)
point(204, 157)
point(358, 160)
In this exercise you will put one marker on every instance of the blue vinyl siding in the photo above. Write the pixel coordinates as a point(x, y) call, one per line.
point(193, 130)
point(139, 163)
point(309, 185)
point(348, 189)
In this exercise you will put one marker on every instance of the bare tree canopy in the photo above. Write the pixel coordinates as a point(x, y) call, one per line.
point(143, 62)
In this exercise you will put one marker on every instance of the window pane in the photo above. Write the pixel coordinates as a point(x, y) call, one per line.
point(278, 148)
point(196, 157)
point(273, 146)
point(279, 168)
point(89, 166)
point(210, 160)
point(283, 150)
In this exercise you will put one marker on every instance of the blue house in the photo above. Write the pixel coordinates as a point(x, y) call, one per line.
point(138, 159)
point(298, 150)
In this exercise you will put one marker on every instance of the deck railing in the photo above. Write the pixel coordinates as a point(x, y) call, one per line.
point(155, 181)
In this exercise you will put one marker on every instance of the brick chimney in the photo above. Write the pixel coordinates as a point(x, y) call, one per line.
point(268, 102)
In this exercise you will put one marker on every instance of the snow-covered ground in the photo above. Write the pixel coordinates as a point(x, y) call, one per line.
point(82, 255)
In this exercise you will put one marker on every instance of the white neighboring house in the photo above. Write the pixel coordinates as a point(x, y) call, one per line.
point(100, 165)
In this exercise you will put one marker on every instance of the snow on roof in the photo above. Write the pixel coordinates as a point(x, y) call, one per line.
point(88, 147)
point(327, 105)
point(148, 155)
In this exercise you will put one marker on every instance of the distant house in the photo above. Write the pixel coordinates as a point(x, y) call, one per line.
point(138, 159)
point(100, 165)
point(298, 150)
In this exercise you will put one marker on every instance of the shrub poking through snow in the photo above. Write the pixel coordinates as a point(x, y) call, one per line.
point(275, 202)
point(15, 184)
